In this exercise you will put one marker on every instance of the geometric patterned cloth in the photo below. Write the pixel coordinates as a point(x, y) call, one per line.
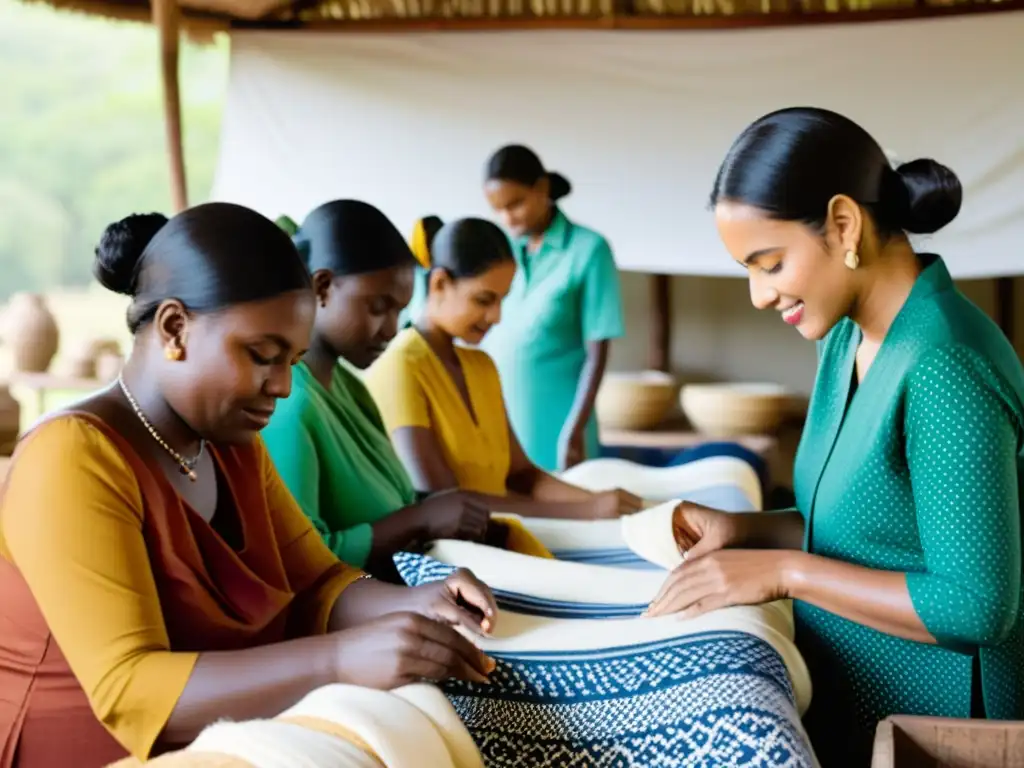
point(707, 699)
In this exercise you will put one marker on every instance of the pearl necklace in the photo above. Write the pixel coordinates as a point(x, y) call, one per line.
point(188, 466)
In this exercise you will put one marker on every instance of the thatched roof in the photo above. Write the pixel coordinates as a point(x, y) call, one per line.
point(203, 15)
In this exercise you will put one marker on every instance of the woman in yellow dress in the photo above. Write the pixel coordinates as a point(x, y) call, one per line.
point(442, 402)
point(155, 573)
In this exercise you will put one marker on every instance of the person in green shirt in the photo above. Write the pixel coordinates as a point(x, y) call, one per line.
point(326, 438)
point(559, 317)
point(903, 554)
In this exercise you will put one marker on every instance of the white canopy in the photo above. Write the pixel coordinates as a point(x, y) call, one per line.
point(638, 121)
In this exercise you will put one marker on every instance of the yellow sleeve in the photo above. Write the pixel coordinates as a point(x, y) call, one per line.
point(315, 574)
point(71, 521)
point(398, 391)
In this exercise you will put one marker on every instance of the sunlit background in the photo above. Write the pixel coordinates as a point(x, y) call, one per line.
point(82, 144)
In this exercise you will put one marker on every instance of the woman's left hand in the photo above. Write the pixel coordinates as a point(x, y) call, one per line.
point(724, 578)
point(460, 600)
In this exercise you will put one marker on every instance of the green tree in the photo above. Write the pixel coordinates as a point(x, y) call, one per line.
point(82, 138)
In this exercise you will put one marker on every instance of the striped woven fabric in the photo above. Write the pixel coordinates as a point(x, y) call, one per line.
point(585, 683)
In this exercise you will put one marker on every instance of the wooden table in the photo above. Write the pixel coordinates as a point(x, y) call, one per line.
point(40, 393)
point(677, 435)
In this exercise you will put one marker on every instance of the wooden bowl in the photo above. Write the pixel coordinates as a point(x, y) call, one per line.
point(728, 410)
point(636, 400)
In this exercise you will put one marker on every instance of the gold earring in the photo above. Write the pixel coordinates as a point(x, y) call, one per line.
point(174, 354)
point(852, 260)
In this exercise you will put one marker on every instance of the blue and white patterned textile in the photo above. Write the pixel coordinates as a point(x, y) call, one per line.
point(717, 698)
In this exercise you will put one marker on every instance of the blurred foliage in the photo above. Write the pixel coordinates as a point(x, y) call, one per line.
point(82, 139)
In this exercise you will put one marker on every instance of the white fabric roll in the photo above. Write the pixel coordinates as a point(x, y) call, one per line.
point(401, 727)
point(270, 744)
point(667, 482)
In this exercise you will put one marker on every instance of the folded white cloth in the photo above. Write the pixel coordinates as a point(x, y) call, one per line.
point(338, 726)
point(724, 482)
point(662, 483)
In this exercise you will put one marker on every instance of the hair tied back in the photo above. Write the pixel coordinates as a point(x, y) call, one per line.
point(558, 186)
point(419, 245)
point(121, 248)
point(933, 195)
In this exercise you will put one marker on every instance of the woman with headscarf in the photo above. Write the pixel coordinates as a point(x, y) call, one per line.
point(327, 438)
point(155, 573)
point(442, 402)
point(561, 313)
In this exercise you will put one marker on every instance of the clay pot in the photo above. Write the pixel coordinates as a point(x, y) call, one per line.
point(10, 421)
point(109, 365)
point(81, 363)
point(635, 400)
point(30, 332)
point(734, 409)
point(96, 359)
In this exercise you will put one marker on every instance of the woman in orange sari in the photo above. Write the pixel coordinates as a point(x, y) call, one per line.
point(155, 573)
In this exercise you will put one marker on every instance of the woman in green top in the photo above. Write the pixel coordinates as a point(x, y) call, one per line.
point(562, 311)
point(327, 439)
point(904, 552)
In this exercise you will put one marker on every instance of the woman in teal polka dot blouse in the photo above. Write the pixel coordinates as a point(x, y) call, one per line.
point(903, 555)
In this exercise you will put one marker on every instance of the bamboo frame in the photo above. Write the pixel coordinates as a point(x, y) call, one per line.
point(167, 19)
point(625, 21)
point(659, 353)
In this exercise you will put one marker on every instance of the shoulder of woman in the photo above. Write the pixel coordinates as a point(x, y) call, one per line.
point(590, 250)
point(67, 453)
point(483, 368)
point(478, 358)
point(68, 441)
point(588, 241)
point(958, 372)
point(407, 351)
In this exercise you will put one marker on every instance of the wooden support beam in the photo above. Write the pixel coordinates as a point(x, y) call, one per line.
point(1005, 311)
point(167, 20)
point(626, 21)
point(659, 354)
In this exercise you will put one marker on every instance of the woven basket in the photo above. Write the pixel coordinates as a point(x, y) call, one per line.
point(638, 400)
point(728, 410)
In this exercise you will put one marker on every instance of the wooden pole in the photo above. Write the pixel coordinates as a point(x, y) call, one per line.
point(1004, 309)
point(167, 19)
point(659, 352)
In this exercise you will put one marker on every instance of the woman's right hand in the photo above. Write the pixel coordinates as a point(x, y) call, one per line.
point(454, 515)
point(699, 530)
point(404, 648)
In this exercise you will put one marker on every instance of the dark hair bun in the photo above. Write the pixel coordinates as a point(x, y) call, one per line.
point(558, 186)
point(121, 247)
point(934, 196)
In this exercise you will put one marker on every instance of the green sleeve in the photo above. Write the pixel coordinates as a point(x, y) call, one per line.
point(962, 444)
point(602, 296)
point(293, 450)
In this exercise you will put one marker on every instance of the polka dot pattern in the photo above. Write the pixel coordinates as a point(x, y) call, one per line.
point(919, 469)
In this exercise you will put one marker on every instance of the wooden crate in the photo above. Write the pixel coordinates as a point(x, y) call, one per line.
point(935, 742)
